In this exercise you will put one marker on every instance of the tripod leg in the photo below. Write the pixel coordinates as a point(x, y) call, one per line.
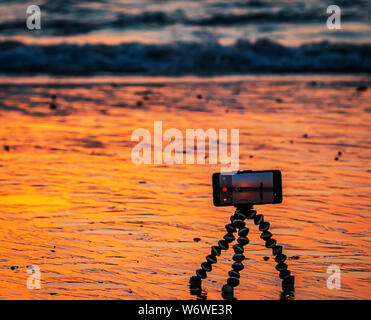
point(280, 258)
point(237, 266)
point(236, 220)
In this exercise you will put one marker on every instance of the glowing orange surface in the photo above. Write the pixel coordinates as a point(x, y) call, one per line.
point(68, 181)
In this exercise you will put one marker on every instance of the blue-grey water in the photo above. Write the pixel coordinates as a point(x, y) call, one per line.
point(156, 37)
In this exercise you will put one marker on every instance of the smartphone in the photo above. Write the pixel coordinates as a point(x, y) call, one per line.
point(247, 187)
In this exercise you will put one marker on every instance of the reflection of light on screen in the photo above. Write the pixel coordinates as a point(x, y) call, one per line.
point(263, 196)
point(253, 180)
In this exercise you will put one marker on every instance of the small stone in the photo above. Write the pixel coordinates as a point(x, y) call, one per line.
point(294, 258)
point(278, 100)
point(139, 103)
point(142, 182)
point(53, 293)
point(361, 88)
point(305, 135)
point(251, 156)
point(14, 267)
point(199, 96)
point(6, 148)
point(52, 250)
point(339, 153)
point(196, 239)
point(266, 258)
point(336, 159)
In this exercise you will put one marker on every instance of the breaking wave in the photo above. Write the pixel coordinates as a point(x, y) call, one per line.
point(183, 58)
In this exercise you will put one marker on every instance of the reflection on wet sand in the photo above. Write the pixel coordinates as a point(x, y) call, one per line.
point(99, 226)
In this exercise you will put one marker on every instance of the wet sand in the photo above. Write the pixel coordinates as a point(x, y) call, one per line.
point(100, 227)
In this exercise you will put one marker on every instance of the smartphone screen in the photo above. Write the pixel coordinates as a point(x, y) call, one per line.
point(247, 187)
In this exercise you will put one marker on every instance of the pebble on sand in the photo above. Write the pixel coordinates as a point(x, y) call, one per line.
point(199, 96)
point(278, 100)
point(266, 258)
point(196, 239)
point(305, 135)
point(139, 103)
point(53, 104)
point(294, 258)
point(336, 159)
point(6, 148)
point(14, 267)
point(361, 88)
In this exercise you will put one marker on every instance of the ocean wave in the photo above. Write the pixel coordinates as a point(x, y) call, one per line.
point(82, 21)
point(183, 58)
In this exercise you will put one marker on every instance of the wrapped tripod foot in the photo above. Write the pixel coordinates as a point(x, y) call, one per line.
point(227, 292)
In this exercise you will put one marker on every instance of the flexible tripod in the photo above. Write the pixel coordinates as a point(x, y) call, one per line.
point(238, 225)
